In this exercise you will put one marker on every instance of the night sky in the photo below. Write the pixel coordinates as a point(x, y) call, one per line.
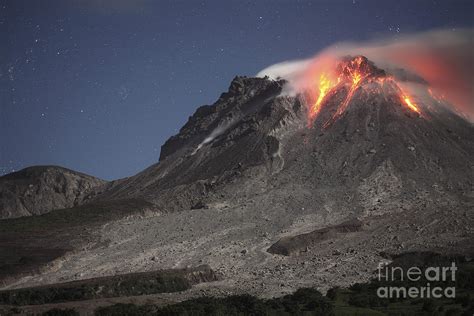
point(98, 85)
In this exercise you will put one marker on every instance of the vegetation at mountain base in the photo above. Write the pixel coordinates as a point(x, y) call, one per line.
point(118, 286)
point(304, 301)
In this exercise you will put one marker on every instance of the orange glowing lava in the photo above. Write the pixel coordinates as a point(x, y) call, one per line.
point(410, 104)
point(354, 73)
point(356, 78)
point(355, 84)
point(325, 85)
point(351, 71)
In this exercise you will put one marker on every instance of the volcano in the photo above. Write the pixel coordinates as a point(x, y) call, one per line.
point(273, 192)
point(251, 142)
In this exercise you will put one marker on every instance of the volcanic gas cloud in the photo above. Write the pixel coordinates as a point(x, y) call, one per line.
point(427, 70)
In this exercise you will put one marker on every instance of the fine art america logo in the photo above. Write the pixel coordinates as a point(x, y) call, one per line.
point(430, 282)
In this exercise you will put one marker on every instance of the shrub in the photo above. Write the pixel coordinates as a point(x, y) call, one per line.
point(60, 312)
point(332, 293)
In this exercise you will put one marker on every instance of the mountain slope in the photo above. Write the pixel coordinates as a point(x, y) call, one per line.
point(258, 167)
point(40, 189)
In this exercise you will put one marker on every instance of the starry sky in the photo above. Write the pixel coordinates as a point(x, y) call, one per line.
point(98, 85)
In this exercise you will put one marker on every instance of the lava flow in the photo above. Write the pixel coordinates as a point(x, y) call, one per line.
point(410, 104)
point(353, 73)
point(325, 85)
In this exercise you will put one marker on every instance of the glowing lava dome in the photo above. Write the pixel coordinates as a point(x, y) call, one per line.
point(353, 73)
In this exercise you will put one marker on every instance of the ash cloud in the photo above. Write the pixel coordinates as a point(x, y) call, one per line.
point(440, 59)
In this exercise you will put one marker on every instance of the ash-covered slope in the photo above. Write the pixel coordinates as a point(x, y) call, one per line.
point(215, 146)
point(40, 189)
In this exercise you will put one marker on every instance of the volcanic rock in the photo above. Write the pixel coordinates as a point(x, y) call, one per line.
point(294, 244)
